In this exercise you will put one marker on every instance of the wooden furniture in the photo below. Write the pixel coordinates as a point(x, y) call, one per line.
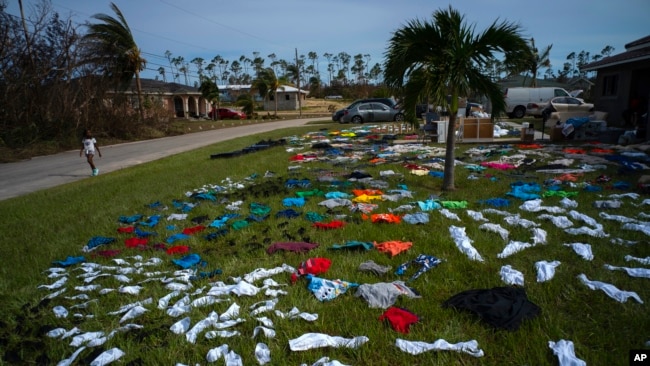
point(477, 129)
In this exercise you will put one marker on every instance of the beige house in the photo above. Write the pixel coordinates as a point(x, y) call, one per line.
point(287, 96)
point(181, 100)
point(186, 101)
point(289, 99)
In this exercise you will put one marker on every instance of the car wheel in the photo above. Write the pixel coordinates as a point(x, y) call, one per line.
point(519, 112)
point(357, 119)
point(399, 117)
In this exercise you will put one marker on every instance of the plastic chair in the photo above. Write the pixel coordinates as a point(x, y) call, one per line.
point(428, 132)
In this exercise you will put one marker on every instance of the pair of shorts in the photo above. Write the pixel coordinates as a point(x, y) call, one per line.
point(90, 152)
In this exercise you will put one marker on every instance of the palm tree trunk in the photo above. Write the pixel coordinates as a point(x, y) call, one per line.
point(450, 159)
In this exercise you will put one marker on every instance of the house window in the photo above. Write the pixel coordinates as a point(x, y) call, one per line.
point(272, 97)
point(287, 97)
point(610, 85)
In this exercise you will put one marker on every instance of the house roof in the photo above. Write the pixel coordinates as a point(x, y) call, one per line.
point(638, 50)
point(282, 88)
point(519, 80)
point(157, 86)
point(290, 89)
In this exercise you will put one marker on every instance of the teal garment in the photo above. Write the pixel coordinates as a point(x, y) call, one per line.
point(315, 217)
point(353, 245)
point(205, 196)
point(337, 195)
point(259, 209)
point(429, 205)
point(238, 225)
point(315, 192)
point(524, 191)
point(221, 221)
point(475, 168)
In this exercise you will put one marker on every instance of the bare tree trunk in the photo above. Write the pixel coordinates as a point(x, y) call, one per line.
point(27, 42)
point(138, 86)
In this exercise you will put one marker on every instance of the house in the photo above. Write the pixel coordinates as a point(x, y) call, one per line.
point(622, 82)
point(182, 100)
point(289, 99)
point(186, 101)
point(516, 81)
point(287, 96)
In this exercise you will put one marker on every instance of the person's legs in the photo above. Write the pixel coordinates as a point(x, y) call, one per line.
point(89, 158)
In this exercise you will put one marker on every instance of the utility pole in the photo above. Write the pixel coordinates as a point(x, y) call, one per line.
point(298, 83)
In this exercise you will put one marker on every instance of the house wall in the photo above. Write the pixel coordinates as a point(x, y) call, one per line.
point(633, 80)
point(286, 102)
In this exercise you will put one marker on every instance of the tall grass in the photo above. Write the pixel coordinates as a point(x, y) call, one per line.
point(50, 225)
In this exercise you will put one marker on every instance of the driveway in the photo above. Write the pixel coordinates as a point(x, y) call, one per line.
point(43, 172)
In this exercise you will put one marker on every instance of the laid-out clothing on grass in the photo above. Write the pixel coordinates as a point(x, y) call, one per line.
point(400, 319)
point(393, 247)
point(384, 294)
point(501, 307)
point(184, 271)
point(417, 347)
point(327, 290)
point(423, 262)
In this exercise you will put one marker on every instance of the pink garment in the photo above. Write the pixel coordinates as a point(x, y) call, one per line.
point(499, 166)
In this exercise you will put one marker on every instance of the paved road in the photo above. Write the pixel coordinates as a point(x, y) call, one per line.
point(43, 172)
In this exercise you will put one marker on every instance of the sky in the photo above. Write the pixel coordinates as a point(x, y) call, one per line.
point(207, 28)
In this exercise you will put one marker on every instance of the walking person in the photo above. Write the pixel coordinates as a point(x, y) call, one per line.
point(89, 147)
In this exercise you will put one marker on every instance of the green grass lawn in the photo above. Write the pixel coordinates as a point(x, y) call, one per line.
point(53, 224)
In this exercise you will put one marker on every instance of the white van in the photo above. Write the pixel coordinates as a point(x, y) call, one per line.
point(530, 101)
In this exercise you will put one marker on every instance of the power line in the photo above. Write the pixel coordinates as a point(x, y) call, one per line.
point(217, 23)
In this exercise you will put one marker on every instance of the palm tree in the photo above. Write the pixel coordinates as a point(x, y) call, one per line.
point(112, 45)
point(247, 104)
point(210, 91)
point(537, 60)
point(442, 58)
point(267, 83)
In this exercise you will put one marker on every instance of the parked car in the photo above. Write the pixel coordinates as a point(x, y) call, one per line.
point(567, 107)
point(530, 101)
point(333, 97)
point(227, 113)
point(336, 116)
point(371, 112)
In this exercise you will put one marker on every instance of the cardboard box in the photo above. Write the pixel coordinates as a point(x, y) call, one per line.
point(527, 134)
point(556, 134)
